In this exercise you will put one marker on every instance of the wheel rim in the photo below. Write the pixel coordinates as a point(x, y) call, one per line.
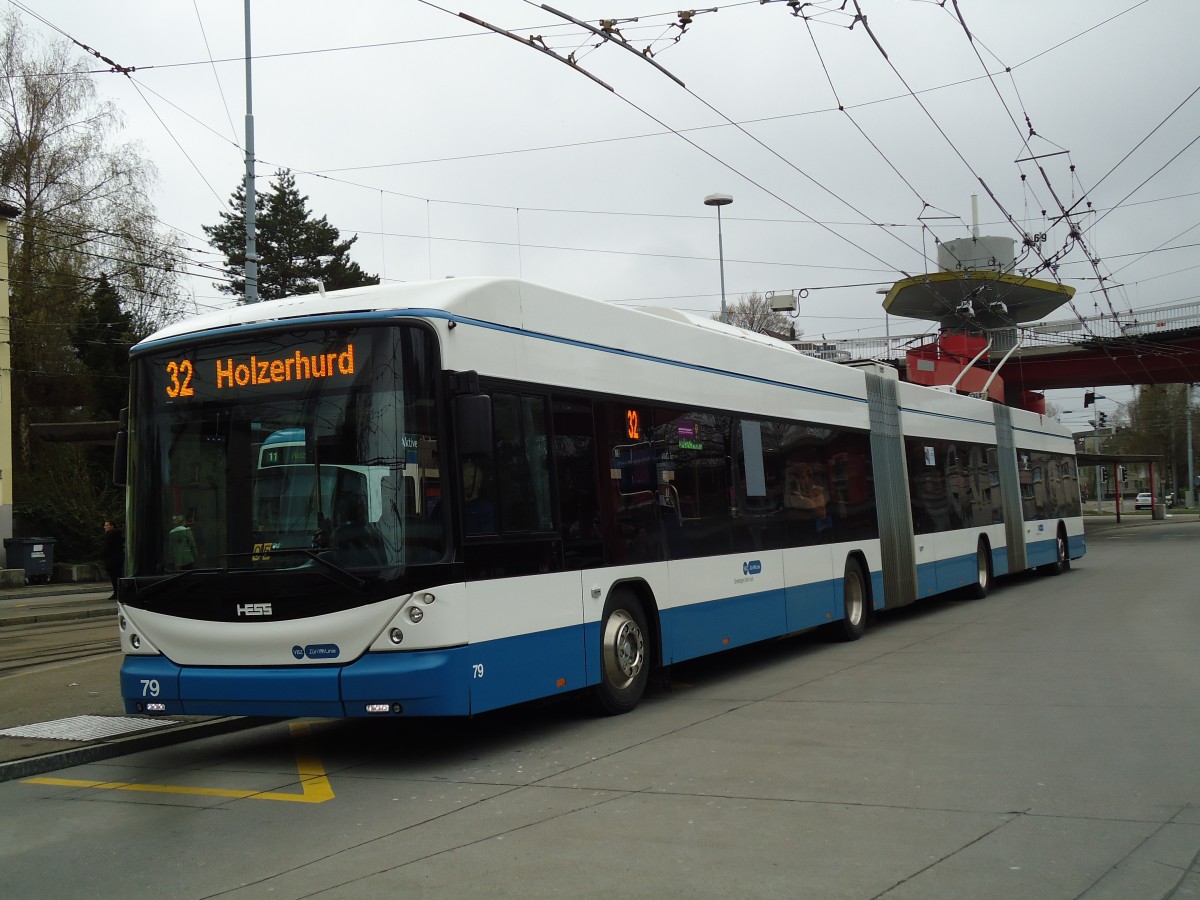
point(981, 564)
point(854, 598)
point(624, 649)
point(1062, 549)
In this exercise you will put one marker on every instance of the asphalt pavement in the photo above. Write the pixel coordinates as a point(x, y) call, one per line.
point(69, 713)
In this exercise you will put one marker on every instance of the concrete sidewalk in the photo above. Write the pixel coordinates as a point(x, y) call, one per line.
point(70, 713)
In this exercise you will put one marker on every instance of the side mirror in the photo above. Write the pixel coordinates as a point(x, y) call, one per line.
point(473, 424)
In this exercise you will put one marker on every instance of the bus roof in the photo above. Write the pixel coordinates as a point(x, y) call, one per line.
point(461, 296)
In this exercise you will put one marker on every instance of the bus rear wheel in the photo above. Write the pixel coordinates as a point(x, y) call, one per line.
point(624, 658)
point(1062, 560)
point(983, 571)
point(854, 603)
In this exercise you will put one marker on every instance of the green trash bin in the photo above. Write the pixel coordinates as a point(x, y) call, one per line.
point(35, 555)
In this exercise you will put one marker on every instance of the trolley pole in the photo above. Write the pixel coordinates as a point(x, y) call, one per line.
point(251, 269)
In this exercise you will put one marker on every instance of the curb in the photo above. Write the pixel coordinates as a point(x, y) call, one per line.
point(66, 616)
point(54, 589)
point(78, 756)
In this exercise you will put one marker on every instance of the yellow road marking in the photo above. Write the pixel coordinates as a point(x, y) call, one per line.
point(314, 784)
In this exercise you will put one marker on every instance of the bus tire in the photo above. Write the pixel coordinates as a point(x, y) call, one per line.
point(1062, 559)
point(983, 571)
point(854, 602)
point(624, 654)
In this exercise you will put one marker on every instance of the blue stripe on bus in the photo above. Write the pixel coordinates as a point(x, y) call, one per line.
point(516, 669)
point(878, 596)
point(813, 604)
point(1076, 546)
point(492, 674)
point(999, 561)
point(1041, 553)
point(699, 629)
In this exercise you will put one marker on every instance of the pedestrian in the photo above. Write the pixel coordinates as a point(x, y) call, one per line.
point(114, 553)
point(183, 545)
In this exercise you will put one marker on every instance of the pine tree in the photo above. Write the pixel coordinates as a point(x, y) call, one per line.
point(296, 252)
point(102, 335)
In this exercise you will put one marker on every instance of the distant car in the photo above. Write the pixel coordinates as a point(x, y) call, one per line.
point(1142, 501)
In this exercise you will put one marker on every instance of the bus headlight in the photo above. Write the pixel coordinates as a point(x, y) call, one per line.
point(135, 642)
point(415, 614)
point(396, 636)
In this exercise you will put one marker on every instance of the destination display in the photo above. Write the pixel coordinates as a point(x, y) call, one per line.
point(243, 369)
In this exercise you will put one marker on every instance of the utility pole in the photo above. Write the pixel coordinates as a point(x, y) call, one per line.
point(1187, 412)
point(719, 200)
point(7, 212)
point(251, 295)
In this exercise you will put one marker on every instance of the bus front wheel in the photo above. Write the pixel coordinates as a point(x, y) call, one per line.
point(624, 658)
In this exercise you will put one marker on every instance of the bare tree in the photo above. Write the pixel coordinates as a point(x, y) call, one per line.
point(84, 211)
point(753, 312)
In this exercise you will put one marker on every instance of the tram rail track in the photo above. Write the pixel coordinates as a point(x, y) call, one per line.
point(33, 646)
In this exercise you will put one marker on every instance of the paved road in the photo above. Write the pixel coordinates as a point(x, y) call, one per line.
point(1039, 743)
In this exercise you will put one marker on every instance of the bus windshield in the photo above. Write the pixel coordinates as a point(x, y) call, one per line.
point(265, 450)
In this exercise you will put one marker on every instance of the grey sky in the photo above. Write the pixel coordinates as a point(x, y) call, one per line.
point(451, 150)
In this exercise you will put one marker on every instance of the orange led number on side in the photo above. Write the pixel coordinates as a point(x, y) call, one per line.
point(178, 370)
point(631, 424)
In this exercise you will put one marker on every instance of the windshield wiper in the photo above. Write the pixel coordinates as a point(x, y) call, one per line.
point(176, 579)
point(145, 591)
point(344, 576)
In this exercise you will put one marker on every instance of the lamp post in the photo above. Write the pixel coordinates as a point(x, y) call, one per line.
point(719, 200)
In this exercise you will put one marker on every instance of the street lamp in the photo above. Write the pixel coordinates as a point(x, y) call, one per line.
point(719, 200)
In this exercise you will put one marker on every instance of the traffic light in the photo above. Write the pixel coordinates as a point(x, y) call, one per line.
point(1104, 475)
point(1103, 419)
point(1124, 474)
point(1088, 399)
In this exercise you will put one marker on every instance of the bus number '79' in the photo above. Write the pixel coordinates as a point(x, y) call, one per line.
point(477, 670)
point(150, 687)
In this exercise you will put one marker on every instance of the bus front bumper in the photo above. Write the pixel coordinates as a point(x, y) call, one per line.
point(425, 683)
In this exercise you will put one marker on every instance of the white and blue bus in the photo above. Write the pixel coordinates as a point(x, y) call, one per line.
point(624, 489)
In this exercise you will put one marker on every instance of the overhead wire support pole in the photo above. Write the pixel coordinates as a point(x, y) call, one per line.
point(251, 291)
point(607, 36)
point(1187, 411)
point(534, 43)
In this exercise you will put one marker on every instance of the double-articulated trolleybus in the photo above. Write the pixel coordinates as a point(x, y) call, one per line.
point(443, 498)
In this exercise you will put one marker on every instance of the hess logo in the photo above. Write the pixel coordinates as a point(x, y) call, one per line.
point(254, 609)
